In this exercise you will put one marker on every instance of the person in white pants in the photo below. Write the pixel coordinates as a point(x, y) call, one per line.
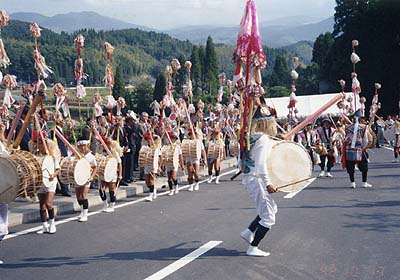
point(3, 222)
point(257, 182)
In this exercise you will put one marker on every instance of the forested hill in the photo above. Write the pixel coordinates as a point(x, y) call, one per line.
point(137, 52)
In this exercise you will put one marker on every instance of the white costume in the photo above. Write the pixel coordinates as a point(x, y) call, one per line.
point(256, 180)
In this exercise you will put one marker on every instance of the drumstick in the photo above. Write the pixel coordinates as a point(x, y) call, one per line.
point(313, 116)
point(65, 141)
point(287, 185)
point(101, 141)
point(15, 122)
point(41, 133)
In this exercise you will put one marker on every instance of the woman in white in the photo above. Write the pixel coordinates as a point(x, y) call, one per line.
point(116, 153)
point(193, 164)
point(257, 182)
point(82, 191)
point(46, 193)
point(3, 206)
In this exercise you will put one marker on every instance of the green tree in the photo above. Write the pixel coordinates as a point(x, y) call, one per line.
point(281, 73)
point(322, 52)
point(211, 68)
point(142, 96)
point(196, 68)
point(160, 88)
point(119, 84)
point(202, 57)
point(278, 91)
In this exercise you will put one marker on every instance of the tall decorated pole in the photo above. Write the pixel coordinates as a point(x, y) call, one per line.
point(42, 71)
point(79, 74)
point(109, 79)
point(248, 53)
point(9, 82)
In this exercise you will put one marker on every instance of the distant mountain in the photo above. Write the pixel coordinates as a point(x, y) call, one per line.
point(302, 49)
point(74, 21)
point(277, 33)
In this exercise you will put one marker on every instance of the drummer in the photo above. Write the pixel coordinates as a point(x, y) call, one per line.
point(356, 141)
point(325, 136)
point(257, 182)
point(46, 193)
point(214, 160)
point(82, 191)
point(117, 153)
point(171, 171)
point(193, 165)
point(154, 142)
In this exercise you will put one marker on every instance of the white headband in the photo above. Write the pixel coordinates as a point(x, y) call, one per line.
point(83, 142)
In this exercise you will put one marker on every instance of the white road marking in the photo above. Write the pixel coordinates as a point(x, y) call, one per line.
point(388, 148)
point(183, 261)
point(291, 195)
point(34, 229)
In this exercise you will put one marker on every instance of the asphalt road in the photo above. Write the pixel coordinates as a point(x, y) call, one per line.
point(327, 231)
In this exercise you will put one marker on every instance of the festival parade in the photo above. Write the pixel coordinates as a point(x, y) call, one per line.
point(137, 153)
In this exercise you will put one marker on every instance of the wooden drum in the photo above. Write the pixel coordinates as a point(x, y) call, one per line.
point(215, 150)
point(234, 147)
point(171, 157)
point(75, 171)
point(191, 150)
point(148, 157)
point(11, 179)
point(106, 168)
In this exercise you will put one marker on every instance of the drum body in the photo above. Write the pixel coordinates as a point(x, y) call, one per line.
point(214, 150)
point(148, 157)
point(106, 168)
point(234, 147)
point(191, 150)
point(287, 163)
point(75, 171)
point(29, 172)
point(171, 157)
point(10, 180)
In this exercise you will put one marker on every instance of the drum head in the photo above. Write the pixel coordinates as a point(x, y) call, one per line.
point(287, 163)
point(82, 171)
point(198, 149)
point(110, 172)
point(48, 169)
point(176, 159)
point(9, 183)
point(156, 158)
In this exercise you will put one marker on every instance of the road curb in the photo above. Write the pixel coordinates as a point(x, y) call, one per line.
point(23, 212)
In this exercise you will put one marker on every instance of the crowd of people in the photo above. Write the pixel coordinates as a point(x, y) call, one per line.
point(207, 138)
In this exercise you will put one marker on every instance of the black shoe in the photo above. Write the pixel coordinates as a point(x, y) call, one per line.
point(123, 183)
point(66, 194)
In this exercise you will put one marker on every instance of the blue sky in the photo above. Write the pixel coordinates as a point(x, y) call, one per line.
point(164, 14)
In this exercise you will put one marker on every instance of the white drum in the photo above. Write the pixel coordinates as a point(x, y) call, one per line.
point(288, 163)
point(191, 149)
point(106, 168)
point(75, 171)
point(48, 168)
point(390, 134)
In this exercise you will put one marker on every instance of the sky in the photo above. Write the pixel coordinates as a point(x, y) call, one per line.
point(165, 14)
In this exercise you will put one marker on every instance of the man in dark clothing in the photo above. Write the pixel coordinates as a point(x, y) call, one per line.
point(129, 156)
point(120, 136)
point(24, 145)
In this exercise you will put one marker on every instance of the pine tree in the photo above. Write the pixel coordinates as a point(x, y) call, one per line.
point(196, 68)
point(160, 87)
point(211, 68)
point(119, 84)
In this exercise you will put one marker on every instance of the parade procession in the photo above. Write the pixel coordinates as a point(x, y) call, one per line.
point(243, 152)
